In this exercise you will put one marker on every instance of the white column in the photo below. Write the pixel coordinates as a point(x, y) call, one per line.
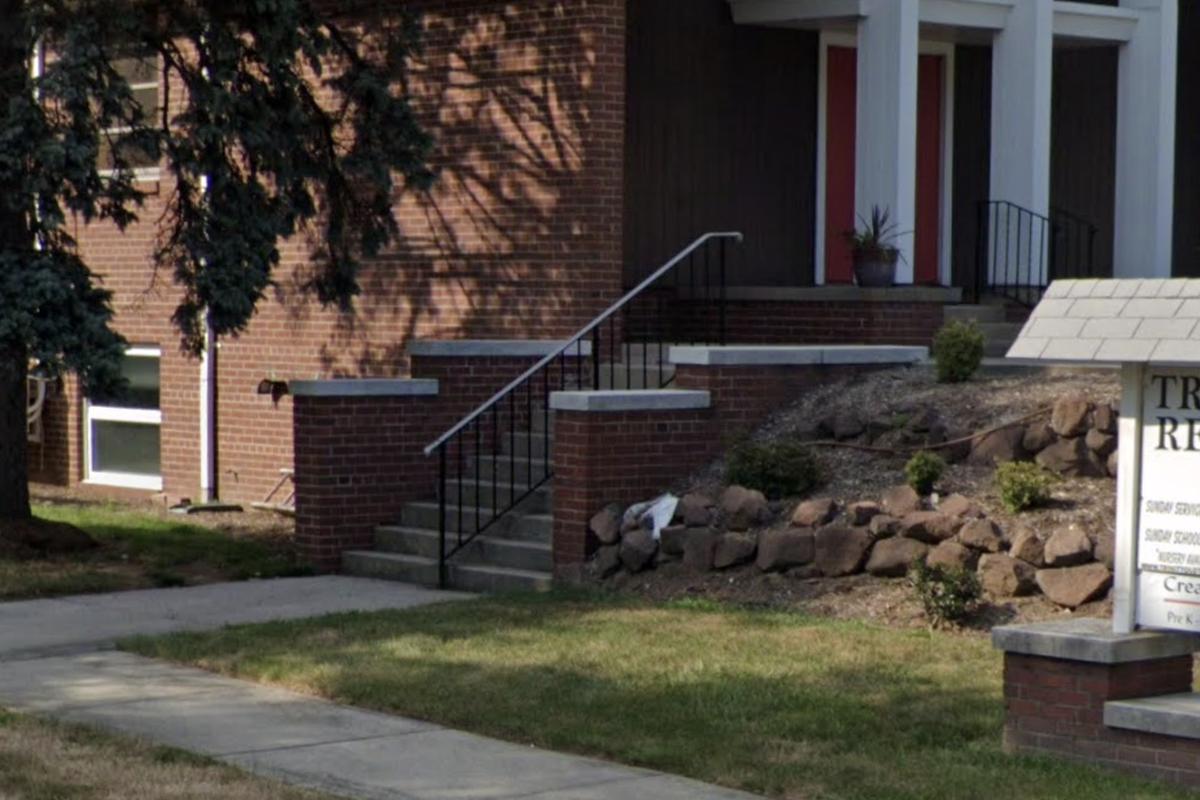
point(885, 154)
point(1146, 142)
point(1022, 73)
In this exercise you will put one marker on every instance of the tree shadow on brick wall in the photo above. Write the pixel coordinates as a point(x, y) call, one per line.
point(520, 235)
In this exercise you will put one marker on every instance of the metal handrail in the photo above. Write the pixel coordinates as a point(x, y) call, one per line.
point(579, 336)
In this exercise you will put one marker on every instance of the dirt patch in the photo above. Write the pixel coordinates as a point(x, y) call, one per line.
point(30, 536)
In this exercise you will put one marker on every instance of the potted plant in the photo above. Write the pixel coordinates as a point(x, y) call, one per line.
point(873, 249)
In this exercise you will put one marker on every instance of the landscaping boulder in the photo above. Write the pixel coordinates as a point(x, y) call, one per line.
point(1104, 419)
point(638, 549)
point(924, 420)
point(900, 500)
point(606, 524)
point(698, 550)
point(1070, 416)
point(1068, 546)
point(1071, 458)
point(672, 539)
point(1074, 586)
point(1038, 437)
point(847, 426)
point(743, 508)
point(884, 525)
point(841, 550)
point(982, 534)
point(1111, 465)
point(1028, 547)
point(957, 505)
point(1102, 444)
point(606, 561)
point(694, 510)
point(891, 558)
point(1002, 575)
point(734, 549)
point(930, 527)
point(999, 447)
point(862, 513)
point(952, 555)
point(805, 572)
point(1105, 550)
point(814, 513)
point(779, 550)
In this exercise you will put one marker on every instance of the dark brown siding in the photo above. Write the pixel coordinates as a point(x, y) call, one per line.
point(972, 153)
point(721, 134)
point(1187, 145)
point(1083, 148)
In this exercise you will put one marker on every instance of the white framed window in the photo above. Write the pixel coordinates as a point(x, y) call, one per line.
point(143, 77)
point(123, 435)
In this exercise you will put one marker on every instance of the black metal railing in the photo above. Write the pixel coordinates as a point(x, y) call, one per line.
point(499, 455)
point(1019, 251)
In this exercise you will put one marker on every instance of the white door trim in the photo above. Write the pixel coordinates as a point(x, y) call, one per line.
point(946, 225)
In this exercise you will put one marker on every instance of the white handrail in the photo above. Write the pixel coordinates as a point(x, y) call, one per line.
point(578, 337)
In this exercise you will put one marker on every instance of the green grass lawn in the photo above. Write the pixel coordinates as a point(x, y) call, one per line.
point(144, 548)
point(42, 760)
point(771, 702)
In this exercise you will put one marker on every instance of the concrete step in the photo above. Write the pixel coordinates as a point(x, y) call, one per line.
point(525, 447)
point(424, 572)
point(516, 524)
point(636, 376)
point(976, 313)
point(486, 550)
point(999, 336)
point(498, 496)
point(504, 467)
point(1168, 715)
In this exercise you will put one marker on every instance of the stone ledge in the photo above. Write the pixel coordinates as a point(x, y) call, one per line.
point(631, 400)
point(492, 348)
point(1168, 715)
point(1090, 640)
point(364, 388)
point(845, 294)
point(771, 355)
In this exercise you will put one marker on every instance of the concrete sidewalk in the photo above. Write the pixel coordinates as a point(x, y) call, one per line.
point(89, 622)
point(56, 660)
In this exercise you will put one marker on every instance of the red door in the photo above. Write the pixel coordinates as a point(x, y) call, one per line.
point(840, 132)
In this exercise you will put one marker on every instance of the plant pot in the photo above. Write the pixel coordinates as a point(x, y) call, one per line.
point(874, 271)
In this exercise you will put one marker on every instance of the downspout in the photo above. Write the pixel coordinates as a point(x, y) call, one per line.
point(208, 401)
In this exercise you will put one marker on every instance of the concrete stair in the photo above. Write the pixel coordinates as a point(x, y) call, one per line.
point(994, 320)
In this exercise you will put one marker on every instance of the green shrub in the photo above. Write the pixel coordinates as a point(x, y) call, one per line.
point(1023, 485)
point(923, 470)
point(948, 595)
point(957, 351)
point(784, 468)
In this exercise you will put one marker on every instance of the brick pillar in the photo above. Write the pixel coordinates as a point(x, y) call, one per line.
point(1061, 681)
point(359, 457)
point(620, 447)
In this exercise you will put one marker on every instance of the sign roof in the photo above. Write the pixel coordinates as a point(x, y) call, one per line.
point(1139, 320)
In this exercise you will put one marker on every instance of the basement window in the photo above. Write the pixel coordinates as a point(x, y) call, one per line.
point(124, 433)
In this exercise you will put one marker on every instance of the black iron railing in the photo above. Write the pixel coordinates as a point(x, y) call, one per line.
point(499, 455)
point(1019, 251)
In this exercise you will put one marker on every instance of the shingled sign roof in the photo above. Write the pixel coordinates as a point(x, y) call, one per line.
point(1115, 321)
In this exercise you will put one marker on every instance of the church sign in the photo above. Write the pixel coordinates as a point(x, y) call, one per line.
point(1151, 329)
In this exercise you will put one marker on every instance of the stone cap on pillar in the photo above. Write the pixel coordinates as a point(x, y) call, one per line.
point(1091, 640)
point(631, 400)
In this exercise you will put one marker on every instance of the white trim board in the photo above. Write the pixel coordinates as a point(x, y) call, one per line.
point(946, 223)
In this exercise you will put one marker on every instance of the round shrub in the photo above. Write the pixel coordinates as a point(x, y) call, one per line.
point(948, 595)
point(923, 470)
point(1023, 485)
point(784, 468)
point(957, 351)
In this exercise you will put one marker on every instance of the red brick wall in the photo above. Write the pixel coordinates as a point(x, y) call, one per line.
point(1057, 706)
point(358, 461)
point(619, 457)
point(519, 238)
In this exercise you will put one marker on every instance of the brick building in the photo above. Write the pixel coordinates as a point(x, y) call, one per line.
point(580, 143)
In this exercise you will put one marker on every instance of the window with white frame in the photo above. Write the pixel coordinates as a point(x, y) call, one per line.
point(124, 433)
point(143, 78)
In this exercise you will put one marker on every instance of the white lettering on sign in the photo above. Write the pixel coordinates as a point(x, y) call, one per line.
point(1168, 532)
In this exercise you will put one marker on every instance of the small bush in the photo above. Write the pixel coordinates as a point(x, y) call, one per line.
point(785, 468)
point(948, 596)
point(924, 470)
point(1023, 486)
point(957, 351)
